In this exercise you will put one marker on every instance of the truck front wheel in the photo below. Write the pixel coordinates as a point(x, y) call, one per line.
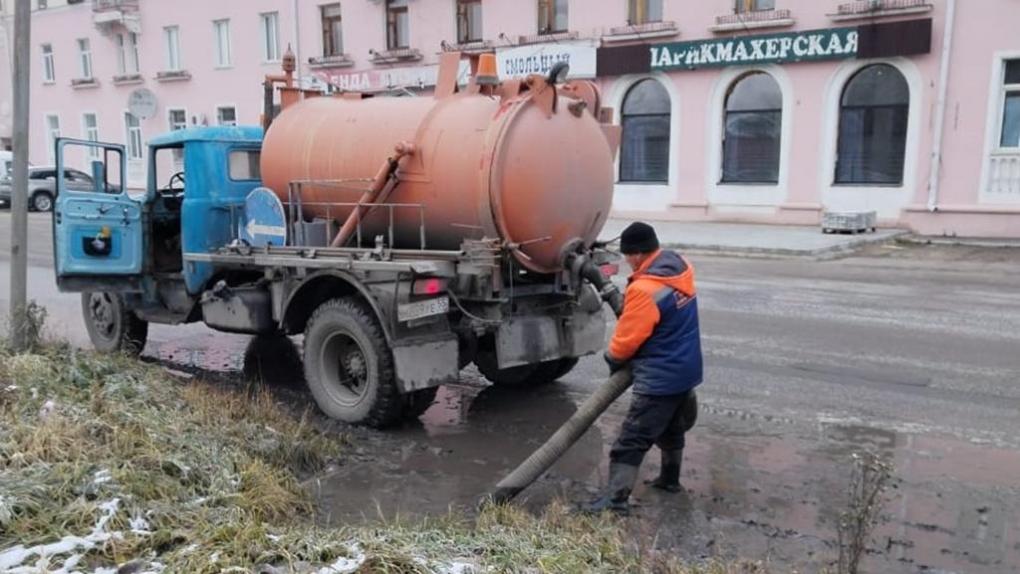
point(111, 325)
point(349, 367)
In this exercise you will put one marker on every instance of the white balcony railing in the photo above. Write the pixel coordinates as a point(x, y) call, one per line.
point(107, 14)
point(641, 31)
point(754, 19)
point(118, 5)
point(875, 8)
point(753, 16)
point(1004, 175)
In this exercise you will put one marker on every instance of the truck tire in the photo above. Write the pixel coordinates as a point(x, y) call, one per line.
point(524, 375)
point(417, 402)
point(112, 326)
point(349, 367)
point(560, 368)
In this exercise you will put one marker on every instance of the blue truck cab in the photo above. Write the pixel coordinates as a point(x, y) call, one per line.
point(124, 248)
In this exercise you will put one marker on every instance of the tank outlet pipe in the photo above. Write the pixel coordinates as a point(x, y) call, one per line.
point(385, 177)
point(542, 459)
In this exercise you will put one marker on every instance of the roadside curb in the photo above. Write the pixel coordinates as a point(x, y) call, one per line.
point(915, 239)
point(830, 252)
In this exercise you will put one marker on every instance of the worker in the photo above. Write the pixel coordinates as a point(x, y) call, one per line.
point(657, 337)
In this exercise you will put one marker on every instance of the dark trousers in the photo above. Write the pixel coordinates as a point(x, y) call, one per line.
point(651, 420)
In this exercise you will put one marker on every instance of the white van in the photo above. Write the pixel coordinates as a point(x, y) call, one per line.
point(6, 163)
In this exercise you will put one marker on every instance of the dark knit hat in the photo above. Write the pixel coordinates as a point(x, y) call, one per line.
point(638, 238)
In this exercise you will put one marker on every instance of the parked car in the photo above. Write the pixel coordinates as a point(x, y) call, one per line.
point(42, 186)
point(6, 167)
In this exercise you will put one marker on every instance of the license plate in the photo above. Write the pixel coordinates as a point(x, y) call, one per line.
point(419, 309)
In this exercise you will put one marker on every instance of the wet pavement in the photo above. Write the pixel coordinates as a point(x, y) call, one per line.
point(758, 485)
point(911, 352)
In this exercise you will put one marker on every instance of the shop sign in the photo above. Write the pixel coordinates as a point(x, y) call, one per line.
point(811, 45)
point(411, 77)
point(877, 40)
point(522, 61)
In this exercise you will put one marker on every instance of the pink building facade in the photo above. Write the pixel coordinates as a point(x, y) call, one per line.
point(745, 110)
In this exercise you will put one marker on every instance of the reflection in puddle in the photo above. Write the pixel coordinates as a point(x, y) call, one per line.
point(467, 441)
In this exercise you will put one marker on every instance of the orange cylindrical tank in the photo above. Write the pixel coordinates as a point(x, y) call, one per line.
point(484, 166)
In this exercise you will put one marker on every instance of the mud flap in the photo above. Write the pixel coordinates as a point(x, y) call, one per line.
point(426, 364)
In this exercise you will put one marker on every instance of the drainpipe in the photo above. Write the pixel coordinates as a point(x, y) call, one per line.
point(940, 109)
point(297, 41)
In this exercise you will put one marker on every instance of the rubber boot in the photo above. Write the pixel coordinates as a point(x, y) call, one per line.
point(669, 474)
point(621, 482)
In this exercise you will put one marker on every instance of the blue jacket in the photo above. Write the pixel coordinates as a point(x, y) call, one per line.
point(658, 330)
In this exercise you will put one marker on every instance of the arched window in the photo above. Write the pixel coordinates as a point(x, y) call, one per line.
point(873, 127)
point(644, 153)
point(754, 122)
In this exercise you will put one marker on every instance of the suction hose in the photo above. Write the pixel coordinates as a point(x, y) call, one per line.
point(572, 430)
point(563, 439)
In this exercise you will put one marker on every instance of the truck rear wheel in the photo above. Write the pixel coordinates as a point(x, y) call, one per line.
point(524, 375)
point(112, 326)
point(417, 402)
point(349, 367)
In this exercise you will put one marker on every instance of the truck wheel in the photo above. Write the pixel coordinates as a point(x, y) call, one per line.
point(561, 367)
point(349, 367)
point(111, 325)
point(417, 402)
point(524, 375)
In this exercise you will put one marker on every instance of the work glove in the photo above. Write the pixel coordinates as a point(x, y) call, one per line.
point(614, 365)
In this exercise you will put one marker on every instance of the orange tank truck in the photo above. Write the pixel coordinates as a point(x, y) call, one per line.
point(527, 162)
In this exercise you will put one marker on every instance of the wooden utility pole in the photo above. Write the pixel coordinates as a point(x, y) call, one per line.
point(19, 191)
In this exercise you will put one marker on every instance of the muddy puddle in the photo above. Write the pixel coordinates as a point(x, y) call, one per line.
point(762, 487)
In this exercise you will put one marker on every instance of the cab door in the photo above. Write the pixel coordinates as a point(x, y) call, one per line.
point(98, 228)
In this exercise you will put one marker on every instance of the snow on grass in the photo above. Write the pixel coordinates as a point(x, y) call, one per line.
point(346, 564)
point(13, 560)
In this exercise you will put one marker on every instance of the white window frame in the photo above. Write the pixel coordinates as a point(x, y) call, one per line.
point(221, 36)
point(49, 73)
point(171, 125)
point(748, 197)
point(747, 6)
point(269, 30)
point(648, 197)
point(172, 37)
point(997, 90)
point(1004, 90)
point(223, 107)
point(128, 63)
point(129, 142)
point(322, 25)
point(85, 58)
point(178, 154)
point(90, 133)
point(51, 135)
point(887, 200)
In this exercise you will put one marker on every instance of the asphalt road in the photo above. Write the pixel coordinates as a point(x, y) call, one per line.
point(912, 351)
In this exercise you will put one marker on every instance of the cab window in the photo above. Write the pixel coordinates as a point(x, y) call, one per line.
point(244, 165)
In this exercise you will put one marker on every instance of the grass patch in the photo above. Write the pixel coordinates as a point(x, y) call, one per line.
point(106, 461)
